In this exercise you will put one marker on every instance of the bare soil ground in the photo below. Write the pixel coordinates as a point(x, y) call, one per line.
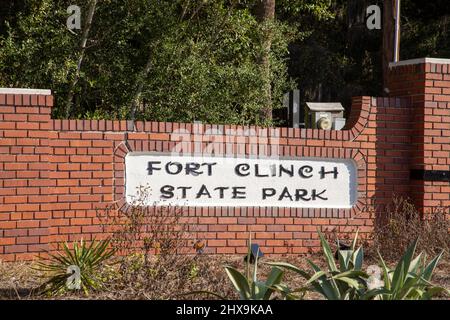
point(17, 280)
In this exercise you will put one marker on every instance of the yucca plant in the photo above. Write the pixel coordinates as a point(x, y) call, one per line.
point(343, 281)
point(411, 278)
point(83, 257)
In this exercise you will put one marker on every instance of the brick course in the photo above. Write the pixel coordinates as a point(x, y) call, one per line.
point(54, 174)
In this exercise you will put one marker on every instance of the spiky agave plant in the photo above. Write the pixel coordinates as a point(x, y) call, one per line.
point(411, 278)
point(86, 259)
point(342, 281)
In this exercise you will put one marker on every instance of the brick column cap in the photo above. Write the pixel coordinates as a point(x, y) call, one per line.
point(419, 61)
point(42, 92)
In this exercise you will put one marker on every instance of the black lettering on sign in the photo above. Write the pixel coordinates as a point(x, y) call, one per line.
point(268, 192)
point(288, 171)
point(167, 192)
point(273, 170)
point(285, 194)
point(179, 168)
point(316, 195)
point(203, 192)
point(192, 169)
point(183, 191)
point(221, 191)
point(304, 172)
point(258, 174)
point(210, 166)
point(240, 170)
point(301, 194)
point(152, 168)
point(239, 193)
point(323, 173)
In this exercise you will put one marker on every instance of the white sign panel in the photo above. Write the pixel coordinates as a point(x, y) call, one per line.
point(241, 182)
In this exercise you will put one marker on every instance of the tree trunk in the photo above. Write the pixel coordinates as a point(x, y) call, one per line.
point(84, 39)
point(140, 86)
point(265, 13)
point(388, 40)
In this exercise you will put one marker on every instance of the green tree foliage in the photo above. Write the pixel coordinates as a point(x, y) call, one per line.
point(425, 29)
point(202, 59)
point(37, 51)
point(199, 60)
point(337, 57)
point(204, 67)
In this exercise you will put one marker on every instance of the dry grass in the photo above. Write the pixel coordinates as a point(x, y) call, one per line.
point(402, 224)
point(17, 280)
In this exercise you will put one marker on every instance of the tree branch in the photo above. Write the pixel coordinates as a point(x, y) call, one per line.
point(81, 55)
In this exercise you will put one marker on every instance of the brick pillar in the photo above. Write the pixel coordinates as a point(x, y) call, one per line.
point(427, 83)
point(24, 129)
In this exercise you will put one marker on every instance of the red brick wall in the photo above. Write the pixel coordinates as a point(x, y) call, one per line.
point(428, 85)
point(54, 174)
point(24, 170)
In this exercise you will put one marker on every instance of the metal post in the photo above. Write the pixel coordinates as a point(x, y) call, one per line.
point(397, 32)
